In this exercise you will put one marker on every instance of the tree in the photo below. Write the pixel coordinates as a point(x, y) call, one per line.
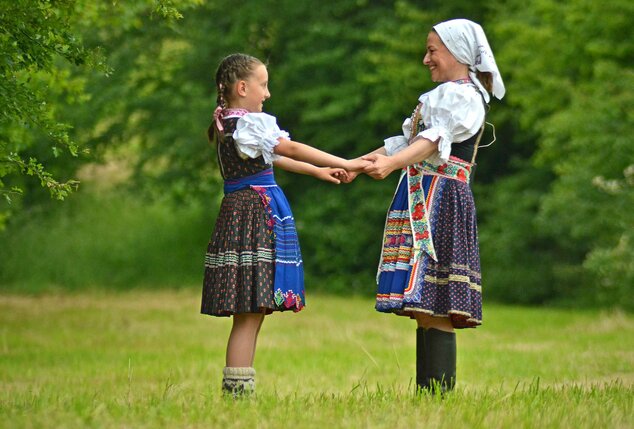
point(574, 97)
point(554, 194)
point(40, 46)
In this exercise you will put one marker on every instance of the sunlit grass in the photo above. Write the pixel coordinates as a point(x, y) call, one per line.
point(149, 359)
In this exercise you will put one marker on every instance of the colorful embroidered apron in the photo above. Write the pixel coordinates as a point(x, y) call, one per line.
point(408, 228)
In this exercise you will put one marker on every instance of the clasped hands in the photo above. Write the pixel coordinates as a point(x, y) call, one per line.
point(375, 165)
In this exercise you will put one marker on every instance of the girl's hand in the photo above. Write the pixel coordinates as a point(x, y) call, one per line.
point(350, 176)
point(333, 175)
point(381, 166)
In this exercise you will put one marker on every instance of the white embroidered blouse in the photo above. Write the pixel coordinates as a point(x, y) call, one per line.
point(256, 134)
point(452, 113)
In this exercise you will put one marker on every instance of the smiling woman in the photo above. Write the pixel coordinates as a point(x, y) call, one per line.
point(443, 66)
point(430, 263)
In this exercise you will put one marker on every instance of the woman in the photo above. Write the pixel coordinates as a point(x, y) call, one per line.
point(430, 263)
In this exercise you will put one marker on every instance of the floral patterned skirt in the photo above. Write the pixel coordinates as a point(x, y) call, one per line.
point(449, 287)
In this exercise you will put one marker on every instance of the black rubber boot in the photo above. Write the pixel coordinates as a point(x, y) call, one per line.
point(421, 368)
point(440, 361)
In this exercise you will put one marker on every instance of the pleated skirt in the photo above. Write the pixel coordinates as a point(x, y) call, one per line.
point(240, 259)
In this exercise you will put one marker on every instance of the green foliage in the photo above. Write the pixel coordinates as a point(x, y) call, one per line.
point(575, 93)
point(33, 34)
point(96, 240)
point(39, 45)
point(515, 254)
point(554, 193)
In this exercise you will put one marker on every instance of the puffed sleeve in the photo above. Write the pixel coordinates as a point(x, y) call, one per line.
point(256, 134)
point(398, 143)
point(452, 113)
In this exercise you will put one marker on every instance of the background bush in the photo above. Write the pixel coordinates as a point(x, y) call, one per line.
point(554, 193)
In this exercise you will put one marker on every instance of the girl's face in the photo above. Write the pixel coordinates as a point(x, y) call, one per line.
point(443, 66)
point(254, 91)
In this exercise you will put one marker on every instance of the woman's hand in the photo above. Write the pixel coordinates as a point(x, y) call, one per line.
point(380, 165)
point(354, 167)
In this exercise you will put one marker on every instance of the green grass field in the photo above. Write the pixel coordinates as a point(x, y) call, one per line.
point(145, 359)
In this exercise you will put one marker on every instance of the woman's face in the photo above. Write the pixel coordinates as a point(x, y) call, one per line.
point(442, 65)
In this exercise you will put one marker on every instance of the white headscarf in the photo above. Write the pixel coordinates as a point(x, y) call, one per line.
point(469, 45)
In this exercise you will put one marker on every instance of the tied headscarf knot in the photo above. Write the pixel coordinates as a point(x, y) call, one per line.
point(218, 118)
point(469, 45)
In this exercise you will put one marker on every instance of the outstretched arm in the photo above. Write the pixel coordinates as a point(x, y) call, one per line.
point(379, 150)
point(303, 152)
point(328, 174)
point(383, 165)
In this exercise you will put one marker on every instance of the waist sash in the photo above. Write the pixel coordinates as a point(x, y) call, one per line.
point(263, 178)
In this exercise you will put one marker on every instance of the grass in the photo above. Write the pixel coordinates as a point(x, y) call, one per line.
point(148, 359)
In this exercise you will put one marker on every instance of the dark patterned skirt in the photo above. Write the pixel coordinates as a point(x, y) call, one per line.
point(449, 287)
point(239, 265)
point(253, 262)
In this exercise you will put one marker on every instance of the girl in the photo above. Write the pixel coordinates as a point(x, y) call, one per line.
point(253, 264)
point(430, 264)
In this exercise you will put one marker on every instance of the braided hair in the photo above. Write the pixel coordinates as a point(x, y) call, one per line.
point(486, 79)
point(232, 68)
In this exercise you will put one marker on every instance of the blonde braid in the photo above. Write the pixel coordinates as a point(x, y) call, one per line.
point(231, 69)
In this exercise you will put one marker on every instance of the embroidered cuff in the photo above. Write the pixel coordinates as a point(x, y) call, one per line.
point(395, 144)
point(444, 143)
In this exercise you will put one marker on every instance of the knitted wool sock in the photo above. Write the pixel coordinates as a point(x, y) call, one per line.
point(238, 381)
